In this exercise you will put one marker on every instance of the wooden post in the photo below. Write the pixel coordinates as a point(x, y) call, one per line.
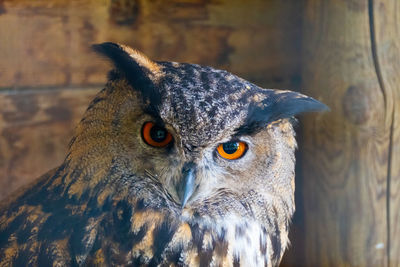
point(386, 21)
point(351, 171)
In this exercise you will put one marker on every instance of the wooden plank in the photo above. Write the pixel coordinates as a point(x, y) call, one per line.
point(387, 41)
point(47, 43)
point(35, 128)
point(345, 152)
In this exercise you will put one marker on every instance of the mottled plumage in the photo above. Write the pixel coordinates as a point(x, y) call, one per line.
point(116, 200)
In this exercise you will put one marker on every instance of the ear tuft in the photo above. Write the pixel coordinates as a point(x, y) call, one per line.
point(277, 104)
point(285, 104)
point(142, 73)
point(116, 52)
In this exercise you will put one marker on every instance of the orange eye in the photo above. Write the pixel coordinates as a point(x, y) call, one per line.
point(155, 135)
point(232, 150)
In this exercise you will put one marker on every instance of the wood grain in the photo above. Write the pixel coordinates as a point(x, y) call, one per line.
point(36, 127)
point(345, 152)
point(46, 43)
point(387, 41)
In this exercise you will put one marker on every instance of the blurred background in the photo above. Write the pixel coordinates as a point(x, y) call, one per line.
point(345, 53)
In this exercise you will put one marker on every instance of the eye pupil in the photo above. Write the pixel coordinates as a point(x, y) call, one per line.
point(230, 147)
point(158, 134)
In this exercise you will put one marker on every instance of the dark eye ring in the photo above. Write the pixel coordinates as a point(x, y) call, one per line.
point(155, 135)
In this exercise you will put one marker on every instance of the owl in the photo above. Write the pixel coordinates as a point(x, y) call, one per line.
point(173, 164)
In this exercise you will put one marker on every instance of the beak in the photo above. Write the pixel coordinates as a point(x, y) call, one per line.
point(186, 186)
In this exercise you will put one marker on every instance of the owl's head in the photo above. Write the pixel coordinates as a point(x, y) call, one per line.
point(197, 142)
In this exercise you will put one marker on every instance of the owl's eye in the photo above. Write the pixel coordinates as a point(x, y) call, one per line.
point(232, 150)
point(155, 135)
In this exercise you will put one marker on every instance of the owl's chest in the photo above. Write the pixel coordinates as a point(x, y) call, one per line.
point(124, 237)
point(156, 241)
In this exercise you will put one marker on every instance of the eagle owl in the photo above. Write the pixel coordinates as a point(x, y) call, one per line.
point(173, 164)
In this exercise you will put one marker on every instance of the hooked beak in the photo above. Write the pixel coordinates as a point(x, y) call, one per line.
point(186, 186)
